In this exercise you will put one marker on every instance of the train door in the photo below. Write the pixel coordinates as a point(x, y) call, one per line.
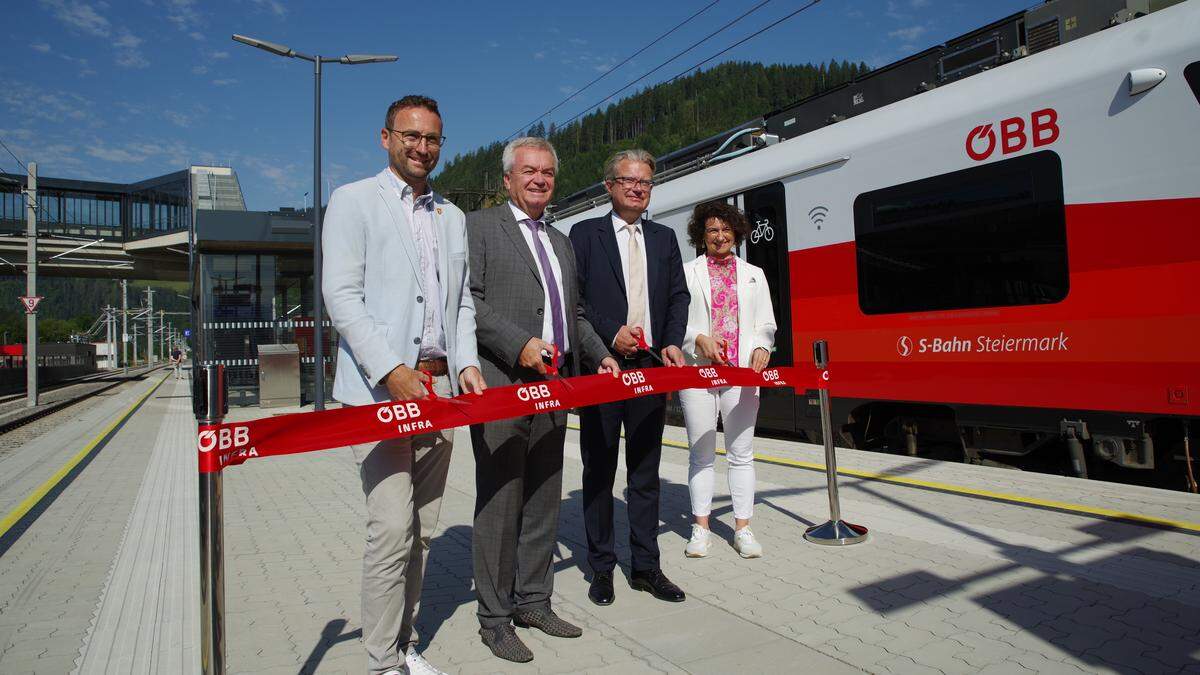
point(767, 247)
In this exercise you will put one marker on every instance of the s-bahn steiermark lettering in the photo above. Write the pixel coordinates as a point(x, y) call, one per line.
point(983, 344)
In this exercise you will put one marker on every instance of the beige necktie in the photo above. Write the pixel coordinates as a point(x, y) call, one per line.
point(637, 280)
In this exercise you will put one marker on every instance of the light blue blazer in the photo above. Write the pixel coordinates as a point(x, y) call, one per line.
point(374, 292)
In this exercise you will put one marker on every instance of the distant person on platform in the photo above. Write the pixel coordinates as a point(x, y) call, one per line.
point(730, 322)
point(632, 275)
point(176, 360)
point(395, 284)
point(527, 305)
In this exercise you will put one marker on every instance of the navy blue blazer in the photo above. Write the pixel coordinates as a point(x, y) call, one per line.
point(602, 283)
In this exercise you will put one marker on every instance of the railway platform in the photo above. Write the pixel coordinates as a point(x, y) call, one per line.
point(967, 569)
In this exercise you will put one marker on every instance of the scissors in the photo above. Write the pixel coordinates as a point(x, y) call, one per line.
point(641, 343)
point(552, 366)
point(433, 394)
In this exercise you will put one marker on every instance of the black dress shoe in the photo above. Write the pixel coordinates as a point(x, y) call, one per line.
point(504, 643)
point(601, 591)
point(548, 622)
point(656, 583)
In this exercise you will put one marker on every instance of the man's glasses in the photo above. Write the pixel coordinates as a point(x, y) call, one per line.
point(630, 181)
point(412, 139)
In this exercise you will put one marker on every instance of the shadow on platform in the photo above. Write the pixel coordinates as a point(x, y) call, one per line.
point(1098, 623)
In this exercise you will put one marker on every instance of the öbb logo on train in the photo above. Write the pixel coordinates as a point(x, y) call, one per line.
point(1015, 134)
point(540, 395)
point(406, 414)
point(637, 380)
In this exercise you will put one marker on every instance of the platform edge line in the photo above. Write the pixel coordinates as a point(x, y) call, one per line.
point(1067, 507)
point(31, 502)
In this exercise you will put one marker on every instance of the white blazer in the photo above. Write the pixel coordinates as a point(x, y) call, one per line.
point(373, 288)
point(756, 317)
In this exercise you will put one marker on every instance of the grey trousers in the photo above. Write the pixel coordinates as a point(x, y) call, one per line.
point(403, 480)
point(518, 488)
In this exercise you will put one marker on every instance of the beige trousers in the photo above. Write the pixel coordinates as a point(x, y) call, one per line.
point(403, 480)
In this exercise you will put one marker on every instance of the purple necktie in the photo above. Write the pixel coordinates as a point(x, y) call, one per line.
point(556, 321)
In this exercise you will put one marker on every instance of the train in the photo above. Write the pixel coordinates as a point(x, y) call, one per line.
point(57, 362)
point(1001, 248)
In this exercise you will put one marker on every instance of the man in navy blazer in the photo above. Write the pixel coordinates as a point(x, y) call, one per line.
point(631, 277)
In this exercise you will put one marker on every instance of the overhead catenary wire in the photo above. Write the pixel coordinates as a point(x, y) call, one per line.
point(755, 34)
point(673, 58)
point(613, 69)
point(14, 155)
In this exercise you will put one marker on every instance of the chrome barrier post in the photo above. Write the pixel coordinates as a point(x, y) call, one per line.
point(835, 532)
point(210, 405)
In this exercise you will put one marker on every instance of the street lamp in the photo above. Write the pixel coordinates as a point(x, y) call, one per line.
point(318, 303)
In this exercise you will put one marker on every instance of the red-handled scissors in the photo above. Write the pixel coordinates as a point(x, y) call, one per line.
point(552, 367)
point(433, 394)
point(642, 346)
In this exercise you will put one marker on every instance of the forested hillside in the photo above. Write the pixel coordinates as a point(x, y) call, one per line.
point(660, 119)
point(72, 305)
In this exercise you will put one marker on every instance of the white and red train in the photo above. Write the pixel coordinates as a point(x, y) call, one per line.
point(1005, 263)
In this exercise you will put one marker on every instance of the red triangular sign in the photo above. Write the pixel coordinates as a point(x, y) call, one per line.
point(30, 302)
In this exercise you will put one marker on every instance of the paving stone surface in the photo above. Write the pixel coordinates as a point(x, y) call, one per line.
point(947, 583)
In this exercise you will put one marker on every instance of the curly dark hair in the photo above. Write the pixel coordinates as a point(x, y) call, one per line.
point(410, 101)
point(726, 213)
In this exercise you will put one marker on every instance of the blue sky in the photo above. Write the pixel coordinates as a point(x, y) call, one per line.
point(122, 90)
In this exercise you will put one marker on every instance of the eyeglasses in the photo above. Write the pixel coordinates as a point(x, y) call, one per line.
point(630, 181)
point(412, 139)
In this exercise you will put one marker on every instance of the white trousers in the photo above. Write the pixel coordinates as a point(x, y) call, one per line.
point(738, 408)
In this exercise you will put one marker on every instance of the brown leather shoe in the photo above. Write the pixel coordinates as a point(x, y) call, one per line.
point(548, 622)
point(505, 644)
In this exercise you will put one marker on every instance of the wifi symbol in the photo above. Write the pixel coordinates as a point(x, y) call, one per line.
point(817, 215)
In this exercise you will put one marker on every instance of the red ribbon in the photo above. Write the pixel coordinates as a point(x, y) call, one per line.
point(232, 443)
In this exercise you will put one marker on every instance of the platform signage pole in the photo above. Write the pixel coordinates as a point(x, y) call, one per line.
point(31, 371)
point(835, 532)
point(210, 405)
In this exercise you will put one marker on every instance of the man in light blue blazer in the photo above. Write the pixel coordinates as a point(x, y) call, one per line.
point(396, 284)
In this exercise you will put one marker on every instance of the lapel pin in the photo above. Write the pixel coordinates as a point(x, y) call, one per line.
point(439, 210)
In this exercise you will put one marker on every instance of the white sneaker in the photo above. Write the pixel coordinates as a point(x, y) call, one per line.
point(417, 665)
point(745, 544)
point(697, 546)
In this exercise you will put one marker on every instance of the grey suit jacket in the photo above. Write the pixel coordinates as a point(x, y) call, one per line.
point(374, 291)
point(509, 298)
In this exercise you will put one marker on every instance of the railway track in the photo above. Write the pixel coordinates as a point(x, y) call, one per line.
point(14, 414)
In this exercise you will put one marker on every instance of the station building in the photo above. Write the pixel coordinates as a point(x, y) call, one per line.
point(251, 272)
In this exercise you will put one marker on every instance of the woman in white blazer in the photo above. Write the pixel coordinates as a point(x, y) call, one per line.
point(730, 321)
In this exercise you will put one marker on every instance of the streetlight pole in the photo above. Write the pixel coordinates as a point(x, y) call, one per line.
point(318, 301)
point(31, 362)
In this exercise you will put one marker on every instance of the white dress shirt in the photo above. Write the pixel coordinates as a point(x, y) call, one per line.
point(547, 319)
point(623, 246)
point(418, 209)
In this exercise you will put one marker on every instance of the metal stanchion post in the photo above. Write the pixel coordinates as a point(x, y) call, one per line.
point(835, 532)
point(210, 405)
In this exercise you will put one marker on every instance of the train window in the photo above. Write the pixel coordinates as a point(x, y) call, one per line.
point(988, 236)
point(1192, 75)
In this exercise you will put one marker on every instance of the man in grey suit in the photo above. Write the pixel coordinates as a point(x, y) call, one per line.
point(396, 283)
point(527, 303)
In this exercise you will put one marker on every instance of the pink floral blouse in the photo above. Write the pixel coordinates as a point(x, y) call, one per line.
point(722, 277)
